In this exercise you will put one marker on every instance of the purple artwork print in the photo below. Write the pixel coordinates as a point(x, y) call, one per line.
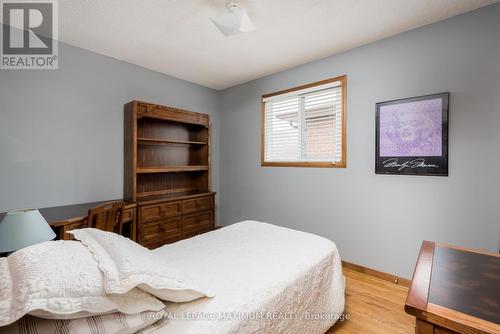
point(411, 129)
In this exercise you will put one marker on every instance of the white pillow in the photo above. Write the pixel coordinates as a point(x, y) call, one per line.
point(61, 280)
point(114, 323)
point(126, 265)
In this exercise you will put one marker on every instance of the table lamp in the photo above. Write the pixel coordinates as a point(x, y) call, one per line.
point(23, 228)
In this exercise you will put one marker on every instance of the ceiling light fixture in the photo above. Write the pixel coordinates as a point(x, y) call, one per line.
point(233, 22)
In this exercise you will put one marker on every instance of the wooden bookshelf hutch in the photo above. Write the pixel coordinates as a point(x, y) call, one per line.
point(167, 172)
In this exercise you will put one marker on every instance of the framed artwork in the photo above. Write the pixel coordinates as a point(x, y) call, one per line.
point(412, 136)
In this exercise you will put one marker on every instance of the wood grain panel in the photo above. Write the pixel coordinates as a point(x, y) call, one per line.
point(165, 210)
point(457, 321)
point(197, 204)
point(205, 203)
point(189, 221)
point(160, 112)
point(130, 152)
point(441, 330)
point(205, 218)
point(419, 290)
point(467, 282)
point(198, 219)
point(423, 327)
point(196, 230)
point(153, 244)
point(171, 238)
point(128, 215)
point(189, 206)
point(151, 213)
point(151, 232)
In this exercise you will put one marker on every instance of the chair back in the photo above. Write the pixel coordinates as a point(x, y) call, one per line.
point(107, 217)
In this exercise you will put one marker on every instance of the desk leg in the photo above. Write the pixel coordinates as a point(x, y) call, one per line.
point(134, 229)
point(424, 327)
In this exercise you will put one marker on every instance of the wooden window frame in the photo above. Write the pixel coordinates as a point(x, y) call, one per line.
point(323, 164)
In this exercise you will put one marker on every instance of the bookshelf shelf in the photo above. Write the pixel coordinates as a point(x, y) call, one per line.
point(152, 141)
point(172, 169)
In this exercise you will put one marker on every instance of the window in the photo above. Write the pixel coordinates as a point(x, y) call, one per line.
point(305, 126)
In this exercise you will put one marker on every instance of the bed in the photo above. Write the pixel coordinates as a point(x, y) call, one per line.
point(255, 278)
point(267, 279)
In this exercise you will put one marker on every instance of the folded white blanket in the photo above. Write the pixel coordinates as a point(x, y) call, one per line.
point(127, 265)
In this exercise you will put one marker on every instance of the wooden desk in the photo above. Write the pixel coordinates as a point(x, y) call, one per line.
point(455, 290)
point(71, 217)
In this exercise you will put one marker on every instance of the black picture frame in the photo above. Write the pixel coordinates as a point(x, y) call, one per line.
point(415, 151)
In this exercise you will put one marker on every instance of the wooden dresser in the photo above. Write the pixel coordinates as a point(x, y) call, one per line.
point(166, 221)
point(167, 172)
point(455, 290)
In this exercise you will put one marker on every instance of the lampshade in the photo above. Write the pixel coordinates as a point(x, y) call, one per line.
point(23, 228)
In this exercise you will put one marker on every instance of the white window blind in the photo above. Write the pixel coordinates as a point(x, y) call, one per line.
point(304, 125)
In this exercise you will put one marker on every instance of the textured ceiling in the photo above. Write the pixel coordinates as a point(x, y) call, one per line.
point(176, 37)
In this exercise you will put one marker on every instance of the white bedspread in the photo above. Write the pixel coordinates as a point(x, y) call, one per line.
point(267, 279)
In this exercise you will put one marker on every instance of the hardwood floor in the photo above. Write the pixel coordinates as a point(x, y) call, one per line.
point(374, 306)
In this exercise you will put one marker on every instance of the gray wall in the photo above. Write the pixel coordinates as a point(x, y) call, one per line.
point(61, 135)
point(380, 221)
point(61, 131)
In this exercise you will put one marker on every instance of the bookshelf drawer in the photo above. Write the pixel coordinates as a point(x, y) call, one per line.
point(172, 209)
point(197, 204)
point(198, 219)
point(189, 220)
point(197, 230)
point(158, 211)
point(169, 239)
point(150, 232)
point(205, 218)
point(205, 203)
point(153, 244)
point(150, 213)
point(156, 243)
point(170, 225)
point(156, 230)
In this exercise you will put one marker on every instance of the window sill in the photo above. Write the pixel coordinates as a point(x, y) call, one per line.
point(340, 164)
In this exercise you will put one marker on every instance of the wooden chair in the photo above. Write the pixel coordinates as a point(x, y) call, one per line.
point(107, 217)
